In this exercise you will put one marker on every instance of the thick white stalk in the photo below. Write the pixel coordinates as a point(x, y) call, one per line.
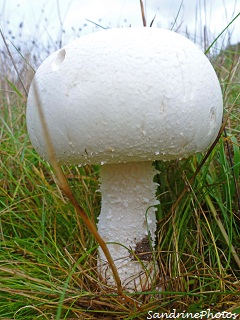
point(127, 222)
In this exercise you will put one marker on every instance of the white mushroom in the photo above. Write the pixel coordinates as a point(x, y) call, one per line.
point(123, 98)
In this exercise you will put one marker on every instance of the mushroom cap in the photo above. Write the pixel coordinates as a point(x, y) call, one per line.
point(125, 95)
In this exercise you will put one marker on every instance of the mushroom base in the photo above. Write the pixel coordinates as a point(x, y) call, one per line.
point(127, 223)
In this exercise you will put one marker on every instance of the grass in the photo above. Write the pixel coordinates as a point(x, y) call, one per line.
point(48, 257)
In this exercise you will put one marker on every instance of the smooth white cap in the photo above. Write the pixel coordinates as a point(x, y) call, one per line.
point(126, 95)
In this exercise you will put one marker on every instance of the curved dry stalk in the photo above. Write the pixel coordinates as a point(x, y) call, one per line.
point(143, 14)
point(64, 186)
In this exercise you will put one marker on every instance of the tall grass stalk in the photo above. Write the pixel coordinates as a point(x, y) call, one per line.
point(48, 257)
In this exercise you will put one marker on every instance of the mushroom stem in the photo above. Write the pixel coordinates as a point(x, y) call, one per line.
point(127, 222)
